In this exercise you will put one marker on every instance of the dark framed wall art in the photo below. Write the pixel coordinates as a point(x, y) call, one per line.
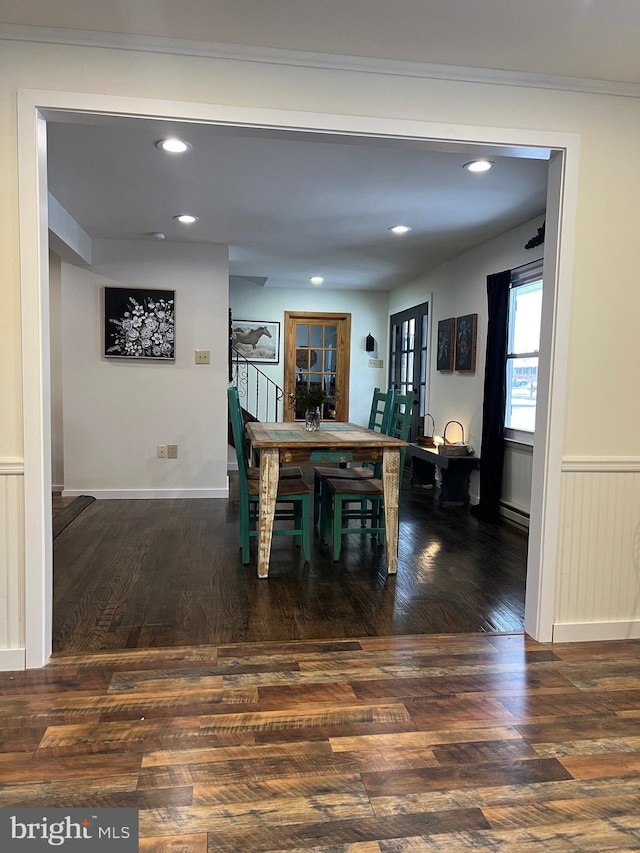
point(446, 328)
point(257, 340)
point(139, 323)
point(466, 333)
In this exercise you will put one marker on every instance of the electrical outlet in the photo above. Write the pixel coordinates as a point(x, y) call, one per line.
point(203, 356)
point(376, 362)
point(162, 451)
point(172, 451)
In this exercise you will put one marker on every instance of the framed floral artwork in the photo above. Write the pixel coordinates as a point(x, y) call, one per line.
point(139, 323)
point(466, 332)
point(444, 359)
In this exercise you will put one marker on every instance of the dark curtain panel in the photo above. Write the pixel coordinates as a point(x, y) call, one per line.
point(492, 448)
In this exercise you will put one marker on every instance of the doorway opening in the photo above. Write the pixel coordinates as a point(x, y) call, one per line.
point(409, 351)
point(38, 563)
point(317, 349)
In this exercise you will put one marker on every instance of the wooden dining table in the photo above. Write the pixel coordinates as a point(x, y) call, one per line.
point(285, 442)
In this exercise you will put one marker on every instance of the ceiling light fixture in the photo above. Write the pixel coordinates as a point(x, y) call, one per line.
point(316, 279)
point(173, 145)
point(186, 218)
point(399, 229)
point(479, 166)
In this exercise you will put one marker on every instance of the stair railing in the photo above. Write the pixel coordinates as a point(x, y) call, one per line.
point(260, 396)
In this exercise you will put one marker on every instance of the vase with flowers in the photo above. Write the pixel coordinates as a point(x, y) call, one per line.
point(309, 400)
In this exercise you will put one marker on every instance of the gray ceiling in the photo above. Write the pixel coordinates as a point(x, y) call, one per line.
point(290, 205)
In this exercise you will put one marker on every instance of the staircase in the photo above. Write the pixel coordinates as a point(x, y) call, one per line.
point(261, 398)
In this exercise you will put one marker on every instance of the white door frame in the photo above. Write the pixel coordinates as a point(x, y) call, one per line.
point(32, 199)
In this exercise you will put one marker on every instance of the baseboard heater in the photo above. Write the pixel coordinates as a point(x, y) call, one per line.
point(515, 514)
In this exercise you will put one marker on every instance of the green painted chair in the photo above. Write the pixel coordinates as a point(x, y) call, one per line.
point(381, 407)
point(292, 503)
point(397, 422)
point(253, 473)
point(345, 501)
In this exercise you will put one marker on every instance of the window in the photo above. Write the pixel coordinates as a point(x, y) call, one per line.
point(409, 359)
point(523, 345)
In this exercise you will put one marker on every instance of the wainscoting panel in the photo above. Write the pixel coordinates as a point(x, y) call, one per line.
point(598, 593)
point(11, 564)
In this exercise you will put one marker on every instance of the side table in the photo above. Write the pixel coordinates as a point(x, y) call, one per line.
point(455, 472)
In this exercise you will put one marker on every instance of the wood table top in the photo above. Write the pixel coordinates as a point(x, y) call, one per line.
point(332, 434)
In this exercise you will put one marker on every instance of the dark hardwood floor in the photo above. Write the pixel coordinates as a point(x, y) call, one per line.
point(143, 574)
point(380, 745)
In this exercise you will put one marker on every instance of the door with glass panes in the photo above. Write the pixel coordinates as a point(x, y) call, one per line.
point(316, 354)
point(409, 360)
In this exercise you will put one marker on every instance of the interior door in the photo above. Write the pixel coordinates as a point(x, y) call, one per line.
point(409, 360)
point(317, 350)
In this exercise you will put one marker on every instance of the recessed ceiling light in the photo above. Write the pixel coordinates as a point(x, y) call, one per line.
point(316, 279)
point(186, 218)
point(479, 166)
point(173, 145)
point(400, 229)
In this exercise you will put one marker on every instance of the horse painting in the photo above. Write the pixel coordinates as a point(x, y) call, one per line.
point(256, 341)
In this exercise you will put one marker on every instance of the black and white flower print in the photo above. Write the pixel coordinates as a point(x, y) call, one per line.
point(145, 330)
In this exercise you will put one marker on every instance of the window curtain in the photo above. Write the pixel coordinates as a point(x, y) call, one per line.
point(492, 445)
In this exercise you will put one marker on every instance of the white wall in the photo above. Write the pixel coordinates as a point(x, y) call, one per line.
point(116, 411)
point(369, 314)
point(55, 333)
point(460, 287)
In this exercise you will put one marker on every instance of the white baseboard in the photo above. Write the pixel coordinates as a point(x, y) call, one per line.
point(12, 659)
point(580, 632)
point(146, 494)
point(515, 516)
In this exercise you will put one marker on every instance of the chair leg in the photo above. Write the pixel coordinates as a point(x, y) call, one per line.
point(379, 520)
point(363, 510)
point(337, 527)
point(297, 522)
point(244, 535)
point(325, 512)
point(306, 533)
point(317, 488)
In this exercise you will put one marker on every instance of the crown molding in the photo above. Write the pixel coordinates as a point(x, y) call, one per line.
point(310, 59)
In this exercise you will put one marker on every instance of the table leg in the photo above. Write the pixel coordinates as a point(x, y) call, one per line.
point(454, 484)
point(423, 473)
point(391, 488)
point(269, 475)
